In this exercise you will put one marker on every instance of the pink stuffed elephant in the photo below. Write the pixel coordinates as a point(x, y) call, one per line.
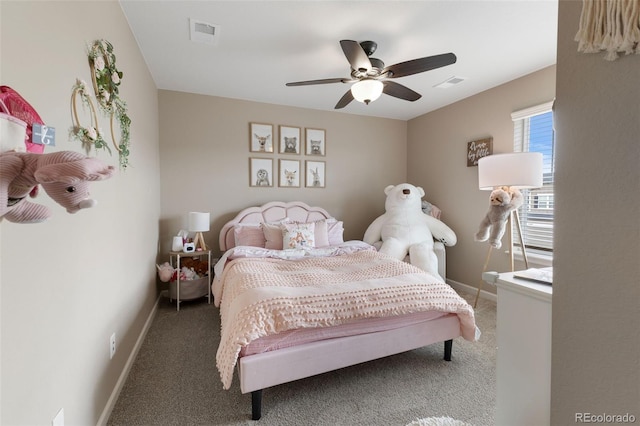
point(64, 175)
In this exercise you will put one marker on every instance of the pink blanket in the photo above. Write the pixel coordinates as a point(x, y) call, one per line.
point(260, 297)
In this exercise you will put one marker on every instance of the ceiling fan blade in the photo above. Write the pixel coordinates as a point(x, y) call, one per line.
point(416, 66)
point(356, 55)
point(396, 90)
point(322, 81)
point(344, 100)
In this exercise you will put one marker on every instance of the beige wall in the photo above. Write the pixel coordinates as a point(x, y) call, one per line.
point(596, 291)
point(437, 148)
point(363, 156)
point(68, 283)
point(205, 159)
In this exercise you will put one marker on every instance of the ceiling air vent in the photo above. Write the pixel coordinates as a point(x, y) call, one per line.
point(450, 82)
point(204, 32)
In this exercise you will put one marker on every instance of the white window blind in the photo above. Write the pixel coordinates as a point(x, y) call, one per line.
point(533, 132)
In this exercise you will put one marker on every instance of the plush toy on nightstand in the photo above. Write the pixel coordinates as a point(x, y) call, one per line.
point(502, 202)
point(165, 272)
point(405, 229)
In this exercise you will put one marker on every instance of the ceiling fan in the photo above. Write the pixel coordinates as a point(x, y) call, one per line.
point(370, 76)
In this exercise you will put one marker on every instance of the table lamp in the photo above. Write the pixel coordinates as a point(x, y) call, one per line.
point(199, 223)
point(517, 170)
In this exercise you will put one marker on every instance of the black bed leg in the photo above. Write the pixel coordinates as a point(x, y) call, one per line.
point(448, 344)
point(256, 405)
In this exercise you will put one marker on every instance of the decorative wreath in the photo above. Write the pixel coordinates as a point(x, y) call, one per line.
point(89, 136)
point(106, 79)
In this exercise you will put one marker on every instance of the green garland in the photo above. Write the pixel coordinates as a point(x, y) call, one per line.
point(106, 81)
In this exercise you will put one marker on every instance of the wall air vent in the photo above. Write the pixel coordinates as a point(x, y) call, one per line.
point(452, 81)
point(203, 32)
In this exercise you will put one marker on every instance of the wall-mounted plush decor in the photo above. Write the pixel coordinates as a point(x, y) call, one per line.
point(16, 107)
point(64, 175)
point(106, 80)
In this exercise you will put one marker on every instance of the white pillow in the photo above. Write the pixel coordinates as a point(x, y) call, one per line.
point(321, 233)
point(336, 233)
point(298, 235)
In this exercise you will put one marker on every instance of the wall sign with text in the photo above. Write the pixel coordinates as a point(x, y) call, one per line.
point(478, 149)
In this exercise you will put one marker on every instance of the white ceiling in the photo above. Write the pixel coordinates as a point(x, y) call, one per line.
point(261, 45)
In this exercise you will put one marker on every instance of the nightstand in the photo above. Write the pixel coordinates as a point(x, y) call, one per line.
point(200, 290)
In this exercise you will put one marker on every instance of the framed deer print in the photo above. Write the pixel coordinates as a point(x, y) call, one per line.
point(260, 137)
point(315, 143)
point(261, 172)
point(289, 173)
point(290, 142)
point(315, 174)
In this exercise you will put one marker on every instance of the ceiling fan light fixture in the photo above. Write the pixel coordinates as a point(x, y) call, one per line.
point(367, 73)
point(366, 91)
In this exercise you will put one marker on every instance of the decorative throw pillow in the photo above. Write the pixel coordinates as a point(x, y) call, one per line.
point(336, 233)
point(273, 234)
point(249, 236)
point(298, 235)
point(321, 234)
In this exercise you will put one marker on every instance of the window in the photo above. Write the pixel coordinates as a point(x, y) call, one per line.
point(533, 132)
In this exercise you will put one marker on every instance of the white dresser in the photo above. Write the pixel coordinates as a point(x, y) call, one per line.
point(524, 351)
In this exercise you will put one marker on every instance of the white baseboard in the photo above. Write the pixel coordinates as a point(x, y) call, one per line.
point(470, 289)
point(104, 417)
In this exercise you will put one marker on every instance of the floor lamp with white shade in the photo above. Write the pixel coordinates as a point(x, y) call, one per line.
point(518, 170)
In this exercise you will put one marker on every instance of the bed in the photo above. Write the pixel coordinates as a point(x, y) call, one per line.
point(316, 303)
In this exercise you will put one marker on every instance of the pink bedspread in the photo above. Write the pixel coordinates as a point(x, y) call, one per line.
point(265, 296)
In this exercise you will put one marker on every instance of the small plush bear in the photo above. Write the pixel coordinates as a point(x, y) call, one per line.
point(503, 201)
point(199, 266)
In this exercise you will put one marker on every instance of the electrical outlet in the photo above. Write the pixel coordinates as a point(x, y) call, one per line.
point(58, 420)
point(112, 346)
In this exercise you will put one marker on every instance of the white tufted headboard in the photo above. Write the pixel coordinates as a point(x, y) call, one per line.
point(296, 211)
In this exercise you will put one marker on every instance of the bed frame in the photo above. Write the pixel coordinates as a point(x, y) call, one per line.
point(260, 371)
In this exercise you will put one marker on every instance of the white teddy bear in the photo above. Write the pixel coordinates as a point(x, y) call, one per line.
point(405, 229)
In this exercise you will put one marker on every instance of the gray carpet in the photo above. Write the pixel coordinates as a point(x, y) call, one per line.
point(174, 381)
